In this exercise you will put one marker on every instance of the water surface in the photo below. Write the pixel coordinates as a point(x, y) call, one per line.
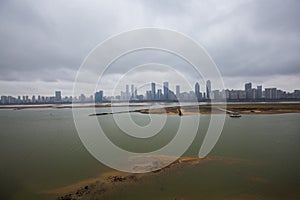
point(41, 150)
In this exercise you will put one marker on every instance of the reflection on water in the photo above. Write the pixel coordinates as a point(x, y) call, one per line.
point(40, 150)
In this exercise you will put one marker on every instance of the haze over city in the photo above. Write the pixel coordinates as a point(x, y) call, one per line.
point(43, 44)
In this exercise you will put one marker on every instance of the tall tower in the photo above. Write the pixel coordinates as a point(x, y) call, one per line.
point(208, 89)
point(99, 96)
point(248, 88)
point(132, 96)
point(166, 90)
point(259, 91)
point(197, 91)
point(159, 94)
point(127, 95)
point(57, 96)
point(177, 91)
point(153, 93)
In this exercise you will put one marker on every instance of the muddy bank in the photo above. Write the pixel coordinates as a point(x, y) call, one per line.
point(229, 108)
point(107, 183)
point(251, 108)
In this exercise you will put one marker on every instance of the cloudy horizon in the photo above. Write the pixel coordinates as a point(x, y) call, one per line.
point(44, 43)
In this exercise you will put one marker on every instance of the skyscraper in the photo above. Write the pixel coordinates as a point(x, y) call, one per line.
point(127, 95)
point(259, 91)
point(208, 89)
point(99, 96)
point(57, 96)
point(166, 90)
point(159, 94)
point(177, 91)
point(132, 92)
point(197, 91)
point(153, 93)
point(248, 88)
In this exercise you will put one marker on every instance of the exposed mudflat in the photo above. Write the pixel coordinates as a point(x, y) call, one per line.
point(98, 187)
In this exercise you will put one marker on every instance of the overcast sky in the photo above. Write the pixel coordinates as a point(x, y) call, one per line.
point(43, 43)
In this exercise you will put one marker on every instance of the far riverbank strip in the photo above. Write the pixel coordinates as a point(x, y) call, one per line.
point(242, 108)
point(275, 108)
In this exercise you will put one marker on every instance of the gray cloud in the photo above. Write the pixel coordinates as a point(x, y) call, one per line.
point(47, 41)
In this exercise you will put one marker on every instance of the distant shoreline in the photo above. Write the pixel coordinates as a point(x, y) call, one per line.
point(228, 109)
point(242, 108)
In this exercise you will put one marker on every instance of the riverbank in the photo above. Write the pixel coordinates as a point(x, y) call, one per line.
point(228, 109)
point(245, 108)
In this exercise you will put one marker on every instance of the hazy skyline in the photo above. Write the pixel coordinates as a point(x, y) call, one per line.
point(44, 43)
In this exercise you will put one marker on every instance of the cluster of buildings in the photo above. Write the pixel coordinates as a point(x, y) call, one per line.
point(248, 94)
point(57, 98)
point(164, 94)
point(257, 94)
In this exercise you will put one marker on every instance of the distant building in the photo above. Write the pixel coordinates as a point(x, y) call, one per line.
point(166, 90)
point(127, 94)
point(233, 94)
point(82, 98)
point(254, 93)
point(271, 93)
point(57, 96)
point(132, 96)
point(192, 96)
point(159, 94)
point(248, 88)
point(197, 91)
point(99, 96)
point(153, 91)
point(259, 92)
point(172, 96)
point(208, 89)
point(216, 94)
point(123, 96)
point(177, 91)
point(148, 95)
point(242, 94)
point(4, 100)
point(296, 94)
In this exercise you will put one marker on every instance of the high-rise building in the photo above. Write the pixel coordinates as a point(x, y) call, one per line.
point(271, 93)
point(259, 92)
point(99, 96)
point(82, 98)
point(159, 94)
point(4, 100)
point(127, 95)
point(248, 89)
point(177, 91)
point(208, 89)
point(153, 93)
point(216, 94)
point(197, 91)
point(166, 90)
point(57, 96)
point(132, 96)
point(254, 93)
point(242, 94)
point(148, 95)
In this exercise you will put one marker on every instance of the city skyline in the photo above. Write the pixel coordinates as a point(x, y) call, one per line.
point(173, 87)
point(164, 93)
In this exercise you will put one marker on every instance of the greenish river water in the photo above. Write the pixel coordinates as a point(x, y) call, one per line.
point(41, 150)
